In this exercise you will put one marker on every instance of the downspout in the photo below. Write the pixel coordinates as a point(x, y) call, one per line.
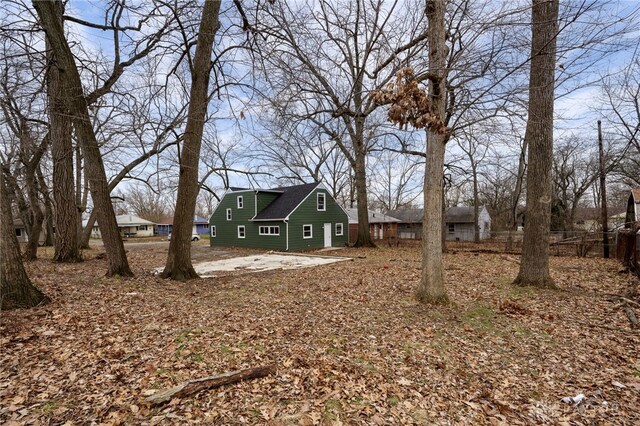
point(286, 222)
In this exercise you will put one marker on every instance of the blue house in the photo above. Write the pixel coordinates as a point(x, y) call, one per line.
point(165, 226)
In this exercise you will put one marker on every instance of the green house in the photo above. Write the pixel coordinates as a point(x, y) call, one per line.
point(289, 218)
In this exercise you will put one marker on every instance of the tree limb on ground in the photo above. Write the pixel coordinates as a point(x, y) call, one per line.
point(196, 385)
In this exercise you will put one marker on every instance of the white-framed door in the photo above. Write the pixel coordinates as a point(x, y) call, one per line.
point(327, 234)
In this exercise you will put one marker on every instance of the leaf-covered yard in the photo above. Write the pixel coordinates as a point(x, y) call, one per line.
point(350, 343)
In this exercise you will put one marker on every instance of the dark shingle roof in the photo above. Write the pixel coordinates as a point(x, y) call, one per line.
point(289, 199)
point(235, 188)
point(408, 215)
point(459, 215)
point(452, 215)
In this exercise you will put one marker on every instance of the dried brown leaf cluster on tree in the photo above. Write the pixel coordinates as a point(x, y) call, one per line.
point(409, 103)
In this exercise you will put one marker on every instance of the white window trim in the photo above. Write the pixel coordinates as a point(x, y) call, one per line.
point(229, 214)
point(451, 228)
point(268, 230)
point(310, 232)
point(244, 231)
point(341, 226)
point(324, 202)
point(240, 202)
point(213, 231)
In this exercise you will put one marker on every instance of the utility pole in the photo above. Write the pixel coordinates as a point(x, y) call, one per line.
point(603, 195)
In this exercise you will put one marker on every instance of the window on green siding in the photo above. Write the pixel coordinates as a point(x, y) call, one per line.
point(240, 202)
point(228, 214)
point(322, 201)
point(241, 231)
point(339, 229)
point(269, 230)
point(307, 231)
point(213, 231)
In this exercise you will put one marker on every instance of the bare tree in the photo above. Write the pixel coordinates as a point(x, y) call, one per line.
point(322, 60)
point(178, 266)
point(146, 202)
point(67, 219)
point(534, 266)
point(77, 105)
point(16, 290)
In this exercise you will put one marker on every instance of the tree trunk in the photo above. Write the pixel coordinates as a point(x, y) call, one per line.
point(16, 290)
point(76, 104)
point(476, 201)
point(515, 198)
point(431, 289)
point(66, 212)
point(178, 266)
point(48, 209)
point(364, 233)
point(534, 265)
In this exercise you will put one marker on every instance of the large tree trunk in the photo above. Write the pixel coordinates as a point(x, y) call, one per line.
point(534, 265)
point(364, 234)
point(178, 266)
point(66, 212)
point(431, 289)
point(16, 290)
point(76, 104)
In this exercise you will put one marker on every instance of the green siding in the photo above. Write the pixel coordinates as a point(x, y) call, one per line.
point(227, 231)
point(264, 199)
point(307, 214)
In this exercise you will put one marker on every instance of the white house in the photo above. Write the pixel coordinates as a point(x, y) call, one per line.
point(129, 226)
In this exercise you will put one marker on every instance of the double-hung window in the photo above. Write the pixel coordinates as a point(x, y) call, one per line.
point(322, 201)
point(307, 231)
point(241, 231)
point(339, 229)
point(228, 214)
point(240, 202)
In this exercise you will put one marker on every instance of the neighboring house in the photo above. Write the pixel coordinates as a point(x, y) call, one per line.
point(633, 208)
point(459, 224)
point(410, 223)
point(21, 232)
point(129, 226)
point(287, 218)
point(381, 226)
point(200, 225)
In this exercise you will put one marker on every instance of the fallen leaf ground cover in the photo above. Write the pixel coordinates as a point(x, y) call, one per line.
point(350, 343)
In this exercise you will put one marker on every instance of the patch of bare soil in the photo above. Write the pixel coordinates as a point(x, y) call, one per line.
point(350, 343)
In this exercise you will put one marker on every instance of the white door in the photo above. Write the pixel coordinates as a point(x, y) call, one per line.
point(327, 235)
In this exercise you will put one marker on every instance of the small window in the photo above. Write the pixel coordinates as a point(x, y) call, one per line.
point(339, 229)
point(228, 214)
point(307, 231)
point(240, 202)
point(452, 228)
point(18, 232)
point(213, 231)
point(206, 226)
point(269, 230)
point(142, 228)
point(241, 231)
point(322, 201)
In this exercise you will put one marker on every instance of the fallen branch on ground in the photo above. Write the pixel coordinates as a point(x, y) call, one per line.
point(631, 316)
point(196, 385)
